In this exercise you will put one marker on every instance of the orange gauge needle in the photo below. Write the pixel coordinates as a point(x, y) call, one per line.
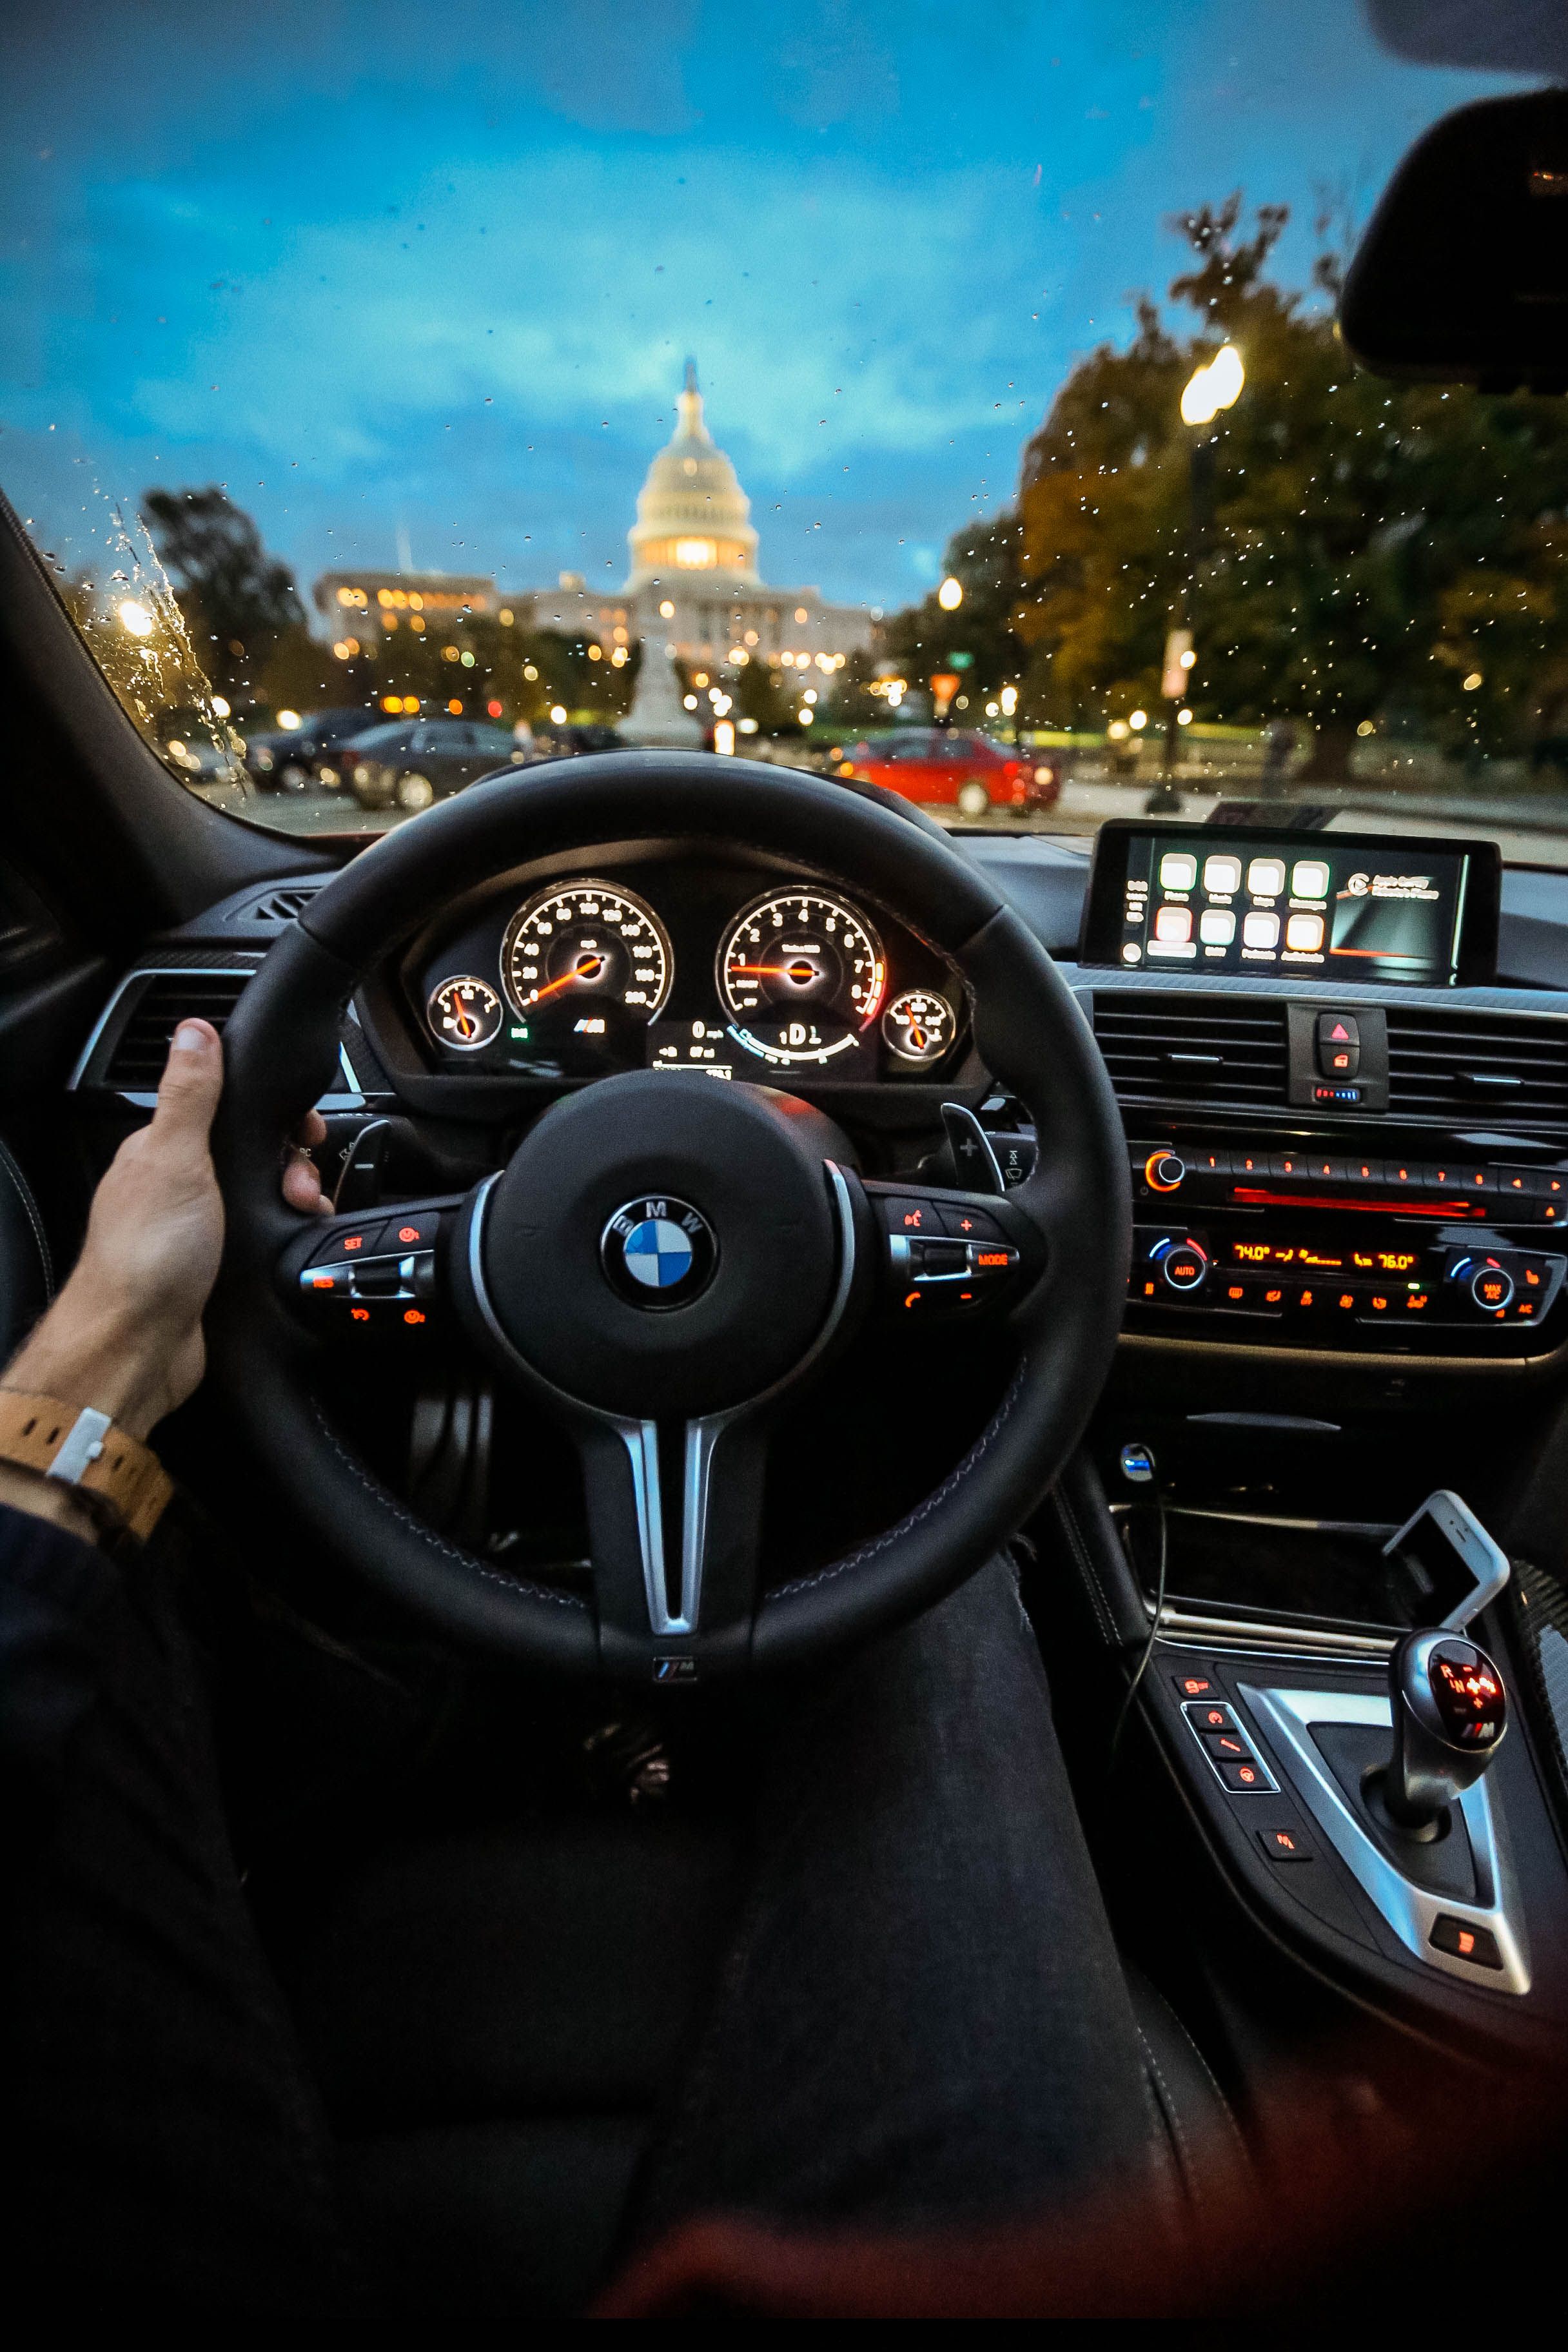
point(587, 967)
point(466, 1027)
point(800, 970)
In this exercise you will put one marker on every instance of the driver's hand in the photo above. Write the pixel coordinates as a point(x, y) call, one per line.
point(125, 1333)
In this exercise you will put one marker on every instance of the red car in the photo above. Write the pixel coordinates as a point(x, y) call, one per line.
point(949, 767)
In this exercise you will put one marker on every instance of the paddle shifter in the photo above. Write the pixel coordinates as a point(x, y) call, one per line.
point(1450, 1712)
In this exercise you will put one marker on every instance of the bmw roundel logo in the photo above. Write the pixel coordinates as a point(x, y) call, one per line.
point(659, 1252)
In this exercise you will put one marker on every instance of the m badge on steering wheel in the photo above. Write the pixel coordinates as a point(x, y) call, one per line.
point(659, 1252)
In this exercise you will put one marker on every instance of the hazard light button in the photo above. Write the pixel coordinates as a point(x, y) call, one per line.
point(1339, 1045)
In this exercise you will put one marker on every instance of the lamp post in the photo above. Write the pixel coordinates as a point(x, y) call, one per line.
point(1215, 386)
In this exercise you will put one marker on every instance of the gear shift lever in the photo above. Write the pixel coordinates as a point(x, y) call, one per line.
point(1450, 1712)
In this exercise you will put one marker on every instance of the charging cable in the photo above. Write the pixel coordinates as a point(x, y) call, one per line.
point(1148, 1650)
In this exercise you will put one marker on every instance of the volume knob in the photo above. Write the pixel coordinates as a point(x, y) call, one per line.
point(1164, 1171)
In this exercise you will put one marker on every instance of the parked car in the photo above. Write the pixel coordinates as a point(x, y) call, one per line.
point(288, 759)
point(951, 767)
point(407, 764)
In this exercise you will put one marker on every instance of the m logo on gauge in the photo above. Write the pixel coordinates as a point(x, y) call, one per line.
point(659, 1252)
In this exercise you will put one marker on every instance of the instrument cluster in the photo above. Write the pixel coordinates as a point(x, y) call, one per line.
point(587, 975)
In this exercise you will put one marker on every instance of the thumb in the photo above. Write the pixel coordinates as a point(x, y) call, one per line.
point(190, 1083)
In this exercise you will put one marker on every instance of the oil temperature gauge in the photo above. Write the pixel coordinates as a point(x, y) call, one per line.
point(464, 1014)
point(919, 1026)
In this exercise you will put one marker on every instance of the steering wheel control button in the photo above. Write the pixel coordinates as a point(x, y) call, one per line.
point(328, 1281)
point(416, 1231)
point(911, 1216)
point(659, 1252)
point(966, 1223)
point(347, 1241)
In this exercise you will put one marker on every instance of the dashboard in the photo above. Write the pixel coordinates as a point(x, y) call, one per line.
point(1326, 1170)
point(671, 962)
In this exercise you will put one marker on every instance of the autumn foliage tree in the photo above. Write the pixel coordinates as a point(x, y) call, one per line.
point(1366, 552)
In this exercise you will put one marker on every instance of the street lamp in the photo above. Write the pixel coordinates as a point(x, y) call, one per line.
point(949, 596)
point(1210, 389)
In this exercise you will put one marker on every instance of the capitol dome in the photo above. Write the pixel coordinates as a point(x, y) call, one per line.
point(693, 517)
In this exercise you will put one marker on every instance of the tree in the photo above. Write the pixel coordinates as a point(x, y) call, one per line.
point(983, 558)
point(238, 602)
point(1366, 549)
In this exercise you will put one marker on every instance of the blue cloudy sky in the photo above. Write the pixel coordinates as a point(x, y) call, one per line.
point(384, 263)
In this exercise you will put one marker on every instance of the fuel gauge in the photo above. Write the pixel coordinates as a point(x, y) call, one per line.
point(464, 1014)
point(919, 1026)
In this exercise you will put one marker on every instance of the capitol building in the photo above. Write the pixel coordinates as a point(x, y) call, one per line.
point(692, 584)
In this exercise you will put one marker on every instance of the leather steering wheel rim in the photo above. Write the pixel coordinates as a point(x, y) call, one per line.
point(280, 1047)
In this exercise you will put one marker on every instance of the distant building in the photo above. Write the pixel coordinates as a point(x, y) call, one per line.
point(370, 606)
point(693, 582)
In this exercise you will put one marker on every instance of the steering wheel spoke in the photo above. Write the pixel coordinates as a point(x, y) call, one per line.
point(954, 1254)
point(674, 1524)
point(377, 1276)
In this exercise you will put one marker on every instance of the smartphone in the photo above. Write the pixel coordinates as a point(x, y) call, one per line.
point(1452, 1563)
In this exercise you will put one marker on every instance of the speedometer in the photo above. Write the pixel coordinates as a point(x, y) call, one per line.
point(584, 965)
point(803, 977)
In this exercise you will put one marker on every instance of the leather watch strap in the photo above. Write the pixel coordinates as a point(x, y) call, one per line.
point(121, 1480)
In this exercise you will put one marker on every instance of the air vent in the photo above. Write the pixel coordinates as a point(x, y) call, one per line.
point(281, 907)
point(1497, 1069)
point(166, 999)
point(1184, 1048)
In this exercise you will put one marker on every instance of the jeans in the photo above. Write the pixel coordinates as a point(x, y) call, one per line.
point(920, 2017)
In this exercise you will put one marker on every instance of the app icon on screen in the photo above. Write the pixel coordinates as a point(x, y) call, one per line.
point(1178, 870)
point(1216, 925)
point(1261, 930)
point(1304, 933)
point(1173, 923)
point(1309, 879)
point(1266, 876)
point(1222, 875)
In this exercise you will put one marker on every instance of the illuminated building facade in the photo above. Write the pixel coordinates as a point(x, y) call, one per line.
point(693, 582)
point(370, 606)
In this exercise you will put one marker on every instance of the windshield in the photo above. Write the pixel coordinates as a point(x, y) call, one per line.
point(806, 384)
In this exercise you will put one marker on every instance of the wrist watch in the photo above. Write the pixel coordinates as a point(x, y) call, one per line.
point(120, 1481)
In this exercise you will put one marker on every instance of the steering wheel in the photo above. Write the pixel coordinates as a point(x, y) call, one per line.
point(760, 1249)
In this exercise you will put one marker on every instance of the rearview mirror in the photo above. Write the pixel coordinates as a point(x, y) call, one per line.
point(1462, 275)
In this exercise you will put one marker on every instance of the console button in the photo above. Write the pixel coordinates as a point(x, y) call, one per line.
point(1465, 1942)
point(1183, 1265)
point(1233, 1744)
point(1243, 1780)
point(1193, 1686)
point(1339, 1045)
point(1491, 1287)
point(1164, 1170)
point(1281, 1844)
point(1208, 1714)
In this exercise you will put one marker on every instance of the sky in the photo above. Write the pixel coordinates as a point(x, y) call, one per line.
point(433, 266)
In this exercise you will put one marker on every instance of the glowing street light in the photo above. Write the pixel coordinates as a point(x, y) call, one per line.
point(1216, 386)
point(949, 596)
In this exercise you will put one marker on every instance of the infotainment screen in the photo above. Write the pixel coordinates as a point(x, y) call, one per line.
point(1275, 904)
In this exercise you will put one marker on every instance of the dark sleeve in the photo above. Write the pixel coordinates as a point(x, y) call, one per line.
point(52, 1583)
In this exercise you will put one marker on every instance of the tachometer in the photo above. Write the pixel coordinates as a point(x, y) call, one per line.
point(583, 964)
point(803, 977)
